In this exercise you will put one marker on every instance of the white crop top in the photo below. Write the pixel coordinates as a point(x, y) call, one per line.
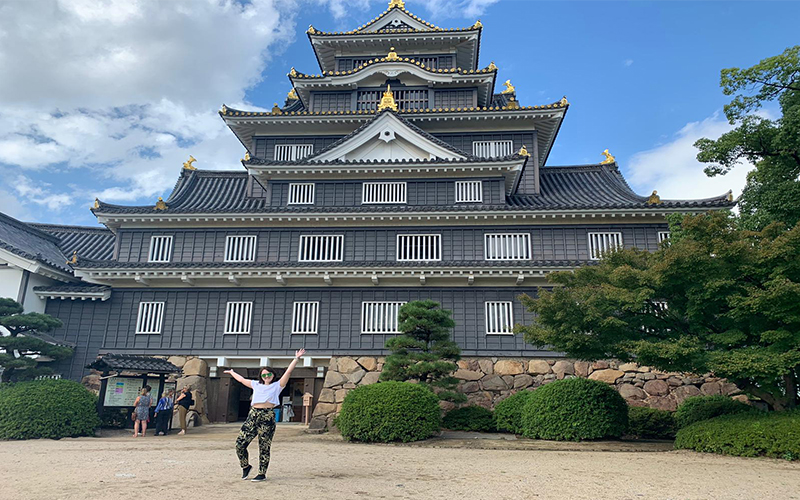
point(266, 393)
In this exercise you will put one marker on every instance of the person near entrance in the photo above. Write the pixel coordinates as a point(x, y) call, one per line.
point(183, 403)
point(261, 418)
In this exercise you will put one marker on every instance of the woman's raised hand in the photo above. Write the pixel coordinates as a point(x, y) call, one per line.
point(299, 354)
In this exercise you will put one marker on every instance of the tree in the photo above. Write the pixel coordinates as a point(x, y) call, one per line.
point(773, 146)
point(21, 348)
point(717, 299)
point(424, 351)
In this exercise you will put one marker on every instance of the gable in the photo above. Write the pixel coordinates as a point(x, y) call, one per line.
point(393, 19)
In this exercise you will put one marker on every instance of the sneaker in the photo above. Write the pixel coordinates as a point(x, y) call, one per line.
point(260, 477)
point(246, 471)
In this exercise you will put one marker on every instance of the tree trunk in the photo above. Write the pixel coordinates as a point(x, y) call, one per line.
point(790, 381)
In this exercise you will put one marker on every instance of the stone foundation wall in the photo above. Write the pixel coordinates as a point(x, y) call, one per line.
point(487, 381)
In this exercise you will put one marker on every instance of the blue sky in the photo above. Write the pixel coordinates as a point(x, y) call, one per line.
point(117, 94)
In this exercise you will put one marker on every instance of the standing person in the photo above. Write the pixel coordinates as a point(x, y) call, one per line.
point(261, 419)
point(164, 412)
point(142, 411)
point(184, 401)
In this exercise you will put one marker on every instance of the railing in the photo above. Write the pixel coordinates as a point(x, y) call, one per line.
point(368, 100)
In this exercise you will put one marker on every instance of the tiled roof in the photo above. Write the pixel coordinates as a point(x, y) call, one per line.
point(358, 31)
point(129, 362)
point(296, 75)
point(82, 288)
point(31, 243)
point(89, 242)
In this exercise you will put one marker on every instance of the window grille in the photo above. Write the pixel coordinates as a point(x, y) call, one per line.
point(292, 152)
point(305, 317)
point(603, 242)
point(321, 248)
point(507, 246)
point(469, 191)
point(330, 101)
point(419, 247)
point(240, 248)
point(160, 249)
point(380, 317)
point(492, 149)
point(237, 317)
point(499, 318)
point(149, 318)
point(663, 236)
point(301, 193)
point(383, 192)
point(453, 98)
point(406, 99)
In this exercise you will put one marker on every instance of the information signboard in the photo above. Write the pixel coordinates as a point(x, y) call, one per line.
point(123, 391)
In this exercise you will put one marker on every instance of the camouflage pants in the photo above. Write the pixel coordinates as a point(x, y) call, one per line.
point(260, 422)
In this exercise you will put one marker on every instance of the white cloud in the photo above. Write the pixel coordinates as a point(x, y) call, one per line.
point(627, 62)
point(459, 8)
point(40, 193)
point(673, 170)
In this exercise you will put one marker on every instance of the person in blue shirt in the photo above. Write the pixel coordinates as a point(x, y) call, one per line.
point(164, 412)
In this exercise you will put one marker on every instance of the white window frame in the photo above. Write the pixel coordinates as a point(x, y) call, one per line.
point(305, 318)
point(493, 311)
point(242, 320)
point(292, 152)
point(380, 193)
point(663, 236)
point(160, 249)
point(511, 249)
point(331, 251)
point(149, 318)
point(493, 148)
point(301, 193)
point(407, 237)
point(375, 313)
point(469, 191)
point(238, 254)
point(602, 238)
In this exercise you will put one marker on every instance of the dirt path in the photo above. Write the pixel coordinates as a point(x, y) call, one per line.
point(202, 466)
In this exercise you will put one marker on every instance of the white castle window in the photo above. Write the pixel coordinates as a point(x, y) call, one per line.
point(499, 318)
point(160, 249)
point(301, 193)
point(148, 321)
point(419, 247)
point(237, 317)
point(383, 192)
point(492, 149)
point(240, 248)
point(292, 152)
point(663, 236)
point(305, 317)
point(507, 246)
point(469, 192)
point(380, 317)
point(321, 248)
point(600, 243)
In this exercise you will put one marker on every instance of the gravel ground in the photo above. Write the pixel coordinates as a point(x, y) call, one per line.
point(203, 466)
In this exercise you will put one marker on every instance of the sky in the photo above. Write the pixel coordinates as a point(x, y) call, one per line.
point(107, 98)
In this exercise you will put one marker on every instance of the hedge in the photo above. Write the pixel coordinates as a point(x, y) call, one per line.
point(650, 423)
point(697, 408)
point(575, 409)
point(750, 434)
point(47, 409)
point(508, 412)
point(389, 411)
point(470, 418)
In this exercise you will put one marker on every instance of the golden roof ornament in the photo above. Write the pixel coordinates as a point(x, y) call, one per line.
point(400, 4)
point(188, 163)
point(292, 95)
point(224, 110)
point(729, 196)
point(654, 199)
point(246, 156)
point(478, 24)
point(492, 66)
point(276, 110)
point(293, 72)
point(74, 259)
point(509, 88)
point(523, 151)
point(160, 205)
point(512, 104)
point(609, 158)
point(387, 101)
point(392, 56)
point(564, 101)
point(96, 203)
point(311, 30)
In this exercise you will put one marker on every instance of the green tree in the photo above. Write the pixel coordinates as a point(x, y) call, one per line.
point(424, 351)
point(773, 146)
point(19, 350)
point(717, 299)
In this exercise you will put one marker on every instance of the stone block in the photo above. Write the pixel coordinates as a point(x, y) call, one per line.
point(339, 395)
point(356, 376)
point(370, 378)
point(463, 364)
point(648, 376)
point(317, 423)
point(644, 369)
point(92, 382)
point(494, 383)
point(333, 365)
point(486, 366)
point(332, 379)
point(662, 403)
point(178, 361)
point(348, 365)
point(523, 381)
point(447, 406)
point(629, 367)
point(630, 391)
point(711, 388)
point(324, 409)
point(469, 387)
point(464, 374)
point(581, 368)
point(606, 375)
point(349, 385)
point(685, 391)
point(195, 366)
point(561, 368)
point(600, 365)
point(742, 398)
point(327, 396)
point(674, 381)
point(729, 388)
point(656, 387)
point(196, 382)
point(538, 367)
point(368, 363)
point(508, 367)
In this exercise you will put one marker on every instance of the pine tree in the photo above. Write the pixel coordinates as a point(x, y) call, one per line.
point(19, 350)
point(424, 352)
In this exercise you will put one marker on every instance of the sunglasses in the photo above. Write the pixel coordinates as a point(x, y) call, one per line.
point(265, 375)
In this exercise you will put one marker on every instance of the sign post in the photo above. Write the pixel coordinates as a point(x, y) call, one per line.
point(307, 397)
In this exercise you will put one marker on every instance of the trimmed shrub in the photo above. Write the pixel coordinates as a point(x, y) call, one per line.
point(470, 418)
point(47, 409)
point(389, 411)
point(575, 409)
point(749, 434)
point(508, 412)
point(650, 423)
point(697, 408)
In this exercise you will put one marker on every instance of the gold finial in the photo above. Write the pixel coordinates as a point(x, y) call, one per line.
point(492, 66)
point(74, 259)
point(311, 30)
point(246, 156)
point(188, 163)
point(523, 151)
point(564, 101)
point(224, 109)
point(400, 4)
point(478, 24)
point(729, 196)
point(392, 56)
point(292, 95)
point(160, 205)
point(96, 203)
point(609, 158)
point(512, 104)
point(387, 101)
point(293, 72)
point(654, 199)
point(509, 88)
point(276, 110)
